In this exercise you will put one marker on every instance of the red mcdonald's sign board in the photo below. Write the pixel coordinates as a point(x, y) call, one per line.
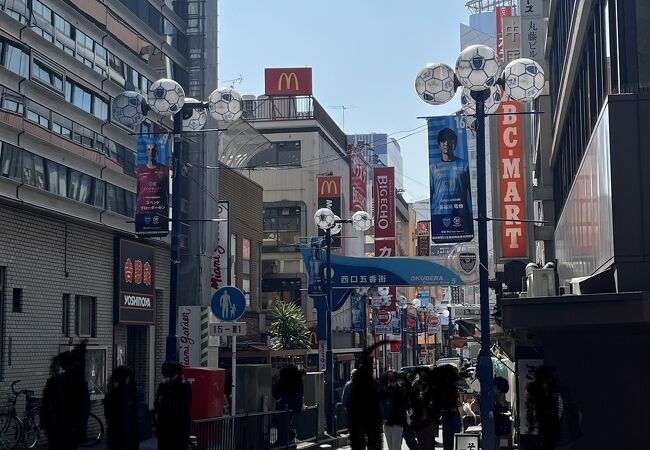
point(329, 187)
point(288, 81)
point(512, 189)
point(384, 201)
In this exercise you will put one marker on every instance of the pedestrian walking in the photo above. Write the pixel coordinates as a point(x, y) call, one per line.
point(395, 417)
point(449, 402)
point(65, 406)
point(422, 414)
point(121, 411)
point(365, 423)
point(552, 412)
point(173, 409)
point(289, 392)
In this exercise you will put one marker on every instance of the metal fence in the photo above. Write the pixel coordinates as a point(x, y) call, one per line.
point(271, 430)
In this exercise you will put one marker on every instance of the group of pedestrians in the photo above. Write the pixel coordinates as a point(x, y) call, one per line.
point(65, 406)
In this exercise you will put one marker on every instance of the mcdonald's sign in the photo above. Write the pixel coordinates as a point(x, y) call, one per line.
point(288, 82)
point(329, 196)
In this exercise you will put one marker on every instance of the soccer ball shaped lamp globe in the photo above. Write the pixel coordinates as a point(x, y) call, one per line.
point(491, 102)
point(129, 108)
point(477, 67)
point(361, 221)
point(324, 218)
point(436, 84)
point(336, 229)
point(166, 97)
point(225, 104)
point(523, 79)
point(194, 119)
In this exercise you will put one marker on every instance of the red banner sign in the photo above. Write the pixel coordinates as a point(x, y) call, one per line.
point(288, 82)
point(384, 201)
point(512, 203)
point(358, 182)
point(502, 11)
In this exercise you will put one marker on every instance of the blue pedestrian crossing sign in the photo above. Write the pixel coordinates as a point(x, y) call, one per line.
point(228, 303)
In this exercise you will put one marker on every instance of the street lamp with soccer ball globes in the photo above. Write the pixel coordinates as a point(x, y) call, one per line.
point(477, 71)
point(331, 224)
point(167, 98)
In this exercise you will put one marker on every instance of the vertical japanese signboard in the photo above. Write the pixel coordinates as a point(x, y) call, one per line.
point(511, 38)
point(152, 177)
point(329, 196)
point(424, 238)
point(136, 283)
point(384, 215)
point(511, 186)
point(501, 11)
point(384, 201)
point(358, 181)
point(533, 29)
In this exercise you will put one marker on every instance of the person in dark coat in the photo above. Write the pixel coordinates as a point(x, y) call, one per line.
point(121, 411)
point(173, 409)
point(65, 405)
point(289, 393)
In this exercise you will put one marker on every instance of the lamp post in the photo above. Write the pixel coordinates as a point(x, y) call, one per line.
point(331, 224)
point(167, 98)
point(478, 70)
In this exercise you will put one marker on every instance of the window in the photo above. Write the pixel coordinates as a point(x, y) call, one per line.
point(82, 98)
point(246, 270)
point(38, 114)
point(46, 75)
point(52, 177)
point(39, 172)
point(17, 300)
point(12, 162)
point(41, 10)
point(85, 311)
point(15, 59)
point(285, 153)
point(233, 260)
point(62, 26)
point(62, 125)
point(12, 102)
point(99, 193)
point(74, 185)
point(100, 108)
point(28, 169)
point(65, 315)
point(282, 225)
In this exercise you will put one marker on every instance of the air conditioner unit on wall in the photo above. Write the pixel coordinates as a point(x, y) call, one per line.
point(541, 282)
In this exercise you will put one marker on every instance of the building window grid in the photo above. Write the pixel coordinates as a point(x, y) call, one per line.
point(26, 167)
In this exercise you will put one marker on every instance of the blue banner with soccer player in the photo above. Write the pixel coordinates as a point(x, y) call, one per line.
point(152, 177)
point(315, 263)
point(358, 309)
point(449, 180)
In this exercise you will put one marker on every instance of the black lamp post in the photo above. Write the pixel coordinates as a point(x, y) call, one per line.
point(331, 224)
point(477, 69)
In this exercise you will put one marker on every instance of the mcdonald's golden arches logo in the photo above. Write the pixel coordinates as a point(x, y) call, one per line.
point(288, 81)
point(329, 187)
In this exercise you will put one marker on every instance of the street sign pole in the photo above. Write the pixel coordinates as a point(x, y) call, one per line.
point(233, 391)
point(229, 304)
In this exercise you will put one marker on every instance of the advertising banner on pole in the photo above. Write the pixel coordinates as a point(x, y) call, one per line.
point(220, 276)
point(316, 268)
point(511, 186)
point(358, 181)
point(329, 196)
point(152, 177)
point(358, 308)
point(189, 335)
point(384, 201)
point(449, 180)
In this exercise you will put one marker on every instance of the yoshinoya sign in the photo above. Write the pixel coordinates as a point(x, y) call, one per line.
point(136, 283)
point(384, 201)
point(288, 81)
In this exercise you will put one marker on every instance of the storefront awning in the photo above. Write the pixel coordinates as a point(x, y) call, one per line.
point(592, 310)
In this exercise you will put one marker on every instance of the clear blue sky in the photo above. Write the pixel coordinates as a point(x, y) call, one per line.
point(364, 53)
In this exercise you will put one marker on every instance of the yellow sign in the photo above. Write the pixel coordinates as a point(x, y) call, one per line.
point(288, 78)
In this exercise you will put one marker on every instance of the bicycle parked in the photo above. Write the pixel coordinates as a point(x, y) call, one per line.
point(14, 429)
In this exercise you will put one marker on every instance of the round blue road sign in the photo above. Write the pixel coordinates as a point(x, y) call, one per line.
point(228, 303)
